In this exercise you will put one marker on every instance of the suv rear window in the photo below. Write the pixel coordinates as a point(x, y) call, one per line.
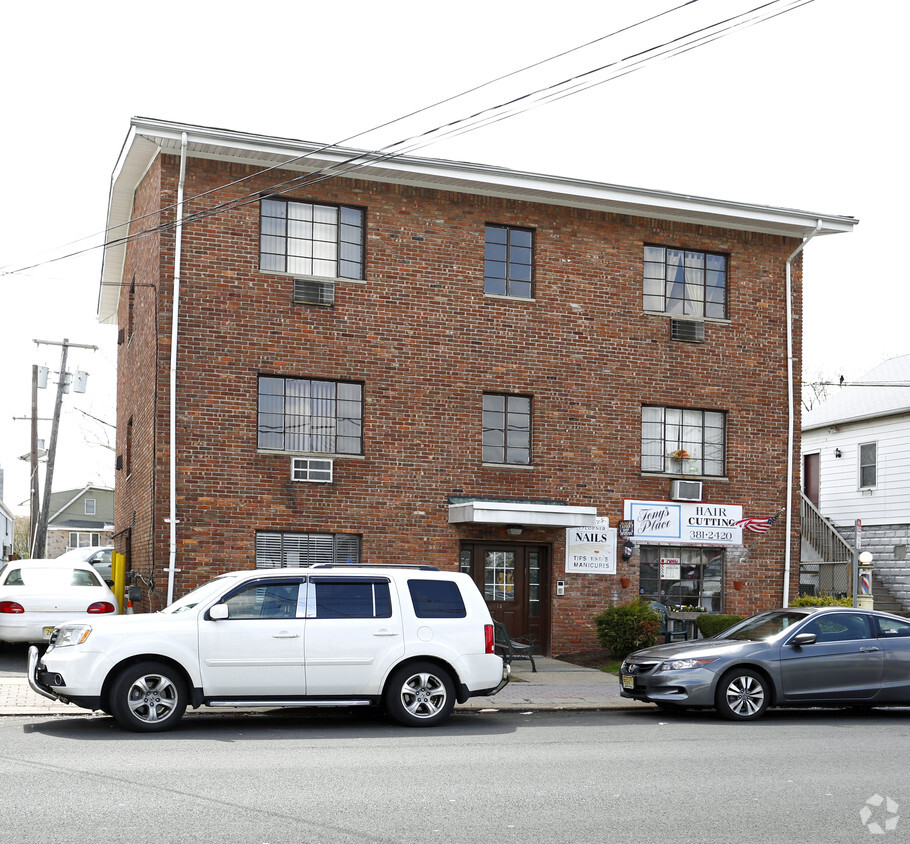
point(436, 599)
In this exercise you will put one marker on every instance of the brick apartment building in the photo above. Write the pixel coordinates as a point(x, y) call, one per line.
point(421, 361)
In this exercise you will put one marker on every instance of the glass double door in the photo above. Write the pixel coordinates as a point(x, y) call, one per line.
point(514, 580)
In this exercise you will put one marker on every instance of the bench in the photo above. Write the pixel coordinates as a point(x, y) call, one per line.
point(512, 648)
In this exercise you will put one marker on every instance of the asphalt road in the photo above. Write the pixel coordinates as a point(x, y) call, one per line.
point(483, 777)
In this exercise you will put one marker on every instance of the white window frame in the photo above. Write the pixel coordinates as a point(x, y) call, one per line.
point(90, 510)
point(860, 465)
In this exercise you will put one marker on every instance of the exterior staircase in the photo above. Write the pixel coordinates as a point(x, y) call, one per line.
point(883, 600)
point(826, 562)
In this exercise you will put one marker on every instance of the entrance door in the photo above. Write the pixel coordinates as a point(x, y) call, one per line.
point(811, 477)
point(514, 580)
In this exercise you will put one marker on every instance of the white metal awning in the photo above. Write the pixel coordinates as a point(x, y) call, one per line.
point(527, 514)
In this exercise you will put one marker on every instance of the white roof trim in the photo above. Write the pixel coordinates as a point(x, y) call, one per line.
point(147, 138)
point(519, 513)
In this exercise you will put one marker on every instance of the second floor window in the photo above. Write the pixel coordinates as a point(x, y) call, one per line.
point(508, 262)
point(309, 416)
point(682, 282)
point(683, 442)
point(305, 238)
point(506, 429)
point(868, 454)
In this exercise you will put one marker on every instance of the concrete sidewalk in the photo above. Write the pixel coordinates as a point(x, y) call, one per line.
point(555, 685)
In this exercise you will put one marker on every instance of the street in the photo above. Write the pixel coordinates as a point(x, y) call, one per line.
point(493, 776)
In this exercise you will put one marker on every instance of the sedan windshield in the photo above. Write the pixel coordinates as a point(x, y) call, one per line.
point(763, 628)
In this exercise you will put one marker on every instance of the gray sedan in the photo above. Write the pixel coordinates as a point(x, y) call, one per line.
point(805, 656)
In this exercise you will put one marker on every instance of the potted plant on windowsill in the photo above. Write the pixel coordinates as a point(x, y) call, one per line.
point(678, 460)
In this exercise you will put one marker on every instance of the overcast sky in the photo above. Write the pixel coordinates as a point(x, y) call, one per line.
point(802, 111)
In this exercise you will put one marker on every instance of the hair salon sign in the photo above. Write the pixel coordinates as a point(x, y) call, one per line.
point(591, 549)
point(677, 523)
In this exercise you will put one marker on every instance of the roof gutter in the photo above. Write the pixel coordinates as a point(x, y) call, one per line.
point(791, 408)
point(178, 247)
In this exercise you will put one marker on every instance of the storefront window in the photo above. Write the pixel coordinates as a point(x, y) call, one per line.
point(683, 576)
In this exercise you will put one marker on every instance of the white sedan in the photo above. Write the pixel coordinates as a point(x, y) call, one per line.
point(37, 595)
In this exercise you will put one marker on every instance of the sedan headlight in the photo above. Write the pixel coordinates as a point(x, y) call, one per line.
point(72, 634)
point(683, 664)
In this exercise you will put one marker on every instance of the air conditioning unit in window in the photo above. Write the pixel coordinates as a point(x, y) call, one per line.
point(311, 469)
point(309, 291)
point(685, 490)
point(687, 330)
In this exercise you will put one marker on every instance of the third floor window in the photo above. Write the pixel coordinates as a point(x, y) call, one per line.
point(682, 282)
point(508, 262)
point(305, 238)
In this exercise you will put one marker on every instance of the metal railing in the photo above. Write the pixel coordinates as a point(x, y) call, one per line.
point(832, 574)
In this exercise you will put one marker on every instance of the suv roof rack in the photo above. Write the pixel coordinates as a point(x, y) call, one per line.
point(374, 566)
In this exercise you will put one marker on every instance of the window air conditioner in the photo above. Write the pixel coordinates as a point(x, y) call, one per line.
point(309, 291)
point(685, 490)
point(317, 471)
point(687, 330)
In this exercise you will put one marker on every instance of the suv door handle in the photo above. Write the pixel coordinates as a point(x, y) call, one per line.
point(385, 633)
point(868, 650)
point(285, 635)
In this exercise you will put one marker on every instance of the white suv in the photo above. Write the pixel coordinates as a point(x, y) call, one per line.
point(411, 638)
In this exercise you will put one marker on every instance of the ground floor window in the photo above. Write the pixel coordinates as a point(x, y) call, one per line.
point(682, 575)
point(287, 550)
point(84, 540)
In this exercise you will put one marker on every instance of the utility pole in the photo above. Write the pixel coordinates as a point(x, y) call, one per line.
point(41, 531)
point(33, 477)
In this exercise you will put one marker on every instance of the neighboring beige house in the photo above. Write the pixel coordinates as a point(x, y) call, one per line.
point(80, 518)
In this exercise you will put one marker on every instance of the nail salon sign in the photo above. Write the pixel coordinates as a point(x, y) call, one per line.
point(591, 549)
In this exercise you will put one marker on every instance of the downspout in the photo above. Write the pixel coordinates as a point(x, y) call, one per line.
point(178, 244)
point(791, 409)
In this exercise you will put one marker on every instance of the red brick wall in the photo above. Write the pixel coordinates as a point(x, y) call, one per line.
point(427, 343)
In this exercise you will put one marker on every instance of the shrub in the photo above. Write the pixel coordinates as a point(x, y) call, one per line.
point(821, 601)
point(627, 627)
point(711, 625)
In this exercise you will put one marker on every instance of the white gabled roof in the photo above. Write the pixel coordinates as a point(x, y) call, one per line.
point(883, 391)
point(148, 137)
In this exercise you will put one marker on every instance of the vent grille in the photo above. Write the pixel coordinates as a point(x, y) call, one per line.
point(308, 291)
point(312, 470)
point(687, 330)
point(685, 490)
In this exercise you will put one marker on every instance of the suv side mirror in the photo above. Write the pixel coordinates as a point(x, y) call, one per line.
point(801, 639)
point(219, 612)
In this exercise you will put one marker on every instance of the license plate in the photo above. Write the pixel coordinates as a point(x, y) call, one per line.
point(628, 682)
point(47, 632)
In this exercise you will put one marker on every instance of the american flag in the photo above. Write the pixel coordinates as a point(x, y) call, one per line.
point(758, 525)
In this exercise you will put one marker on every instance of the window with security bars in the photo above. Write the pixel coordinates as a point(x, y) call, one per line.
point(685, 282)
point(278, 550)
point(508, 262)
point(677, 441)
point(506, 429)
point(306, 238)
point(303, 415)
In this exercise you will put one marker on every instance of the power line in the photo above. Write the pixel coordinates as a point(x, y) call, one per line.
point(480, 119)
